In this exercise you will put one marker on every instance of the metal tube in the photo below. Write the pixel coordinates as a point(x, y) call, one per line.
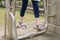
point(10, 22)
point(45, 9)
point(30, 34)
point(13, 7)
point(5, 25)
point(6, 14)
point(14, 32)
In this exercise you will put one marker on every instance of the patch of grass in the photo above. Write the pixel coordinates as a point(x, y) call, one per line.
point(27, 18)
point(2, 12)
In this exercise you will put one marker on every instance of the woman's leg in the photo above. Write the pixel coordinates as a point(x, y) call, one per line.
point(36, 12)
point(23, 9)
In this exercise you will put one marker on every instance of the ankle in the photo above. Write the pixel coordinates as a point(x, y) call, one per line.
point(21, 21)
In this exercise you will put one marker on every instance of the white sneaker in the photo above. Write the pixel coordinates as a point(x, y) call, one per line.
point(40, 28)
point(21, 25)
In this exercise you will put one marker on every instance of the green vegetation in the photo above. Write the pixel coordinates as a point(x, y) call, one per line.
point(0, 0)
point(28, 16)
point(2, 12)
